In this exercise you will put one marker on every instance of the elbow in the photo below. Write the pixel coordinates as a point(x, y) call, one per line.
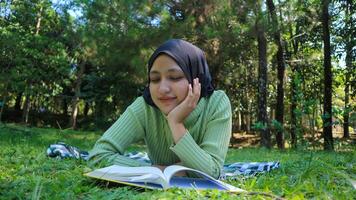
point(216, 171)
point(98, 158)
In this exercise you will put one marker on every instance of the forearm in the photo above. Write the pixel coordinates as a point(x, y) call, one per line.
point(106, 158)
point(109, 149)
point(178, 130)
point(191, 154)
point(194, 156)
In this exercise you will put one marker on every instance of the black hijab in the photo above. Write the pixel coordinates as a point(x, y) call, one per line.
point(190, 59)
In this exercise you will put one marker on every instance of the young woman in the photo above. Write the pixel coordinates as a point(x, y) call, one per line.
point(180, 116)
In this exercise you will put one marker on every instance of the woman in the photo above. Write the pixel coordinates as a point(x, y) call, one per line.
point(179, 116)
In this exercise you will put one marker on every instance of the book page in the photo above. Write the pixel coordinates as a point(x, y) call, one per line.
point(173, 169)
point(155, 184)
point(196, 183)
point(209, 184)
point(129, 173)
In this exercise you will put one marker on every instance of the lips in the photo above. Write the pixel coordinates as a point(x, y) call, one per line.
point(166, 99)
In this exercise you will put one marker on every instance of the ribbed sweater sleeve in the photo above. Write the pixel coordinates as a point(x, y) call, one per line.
point(209, 155)
point(126, 130)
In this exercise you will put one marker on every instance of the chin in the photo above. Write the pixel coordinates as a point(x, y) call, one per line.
point(165, 110)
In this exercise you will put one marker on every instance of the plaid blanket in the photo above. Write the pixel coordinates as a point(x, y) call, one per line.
point(63, 150)
point(229, 171)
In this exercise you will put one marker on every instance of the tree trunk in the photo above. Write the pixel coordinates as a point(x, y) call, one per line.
point(243, 121)
point(293, 108)
point(347, 106)
point(35, 103)
point(244, 110)
point(237, 122)
point(75, 110)
point(39, 19)
point(272, 113)
point(349, 60)
point(327, 115)
point(65, 106)
point(294, 90)
point(248, 122)
point(99, 113)
point(18, 101)
point(280, 74)
point(26, 109)
point(86, 109)
point(262, 84)
point(75, 100)
point(3, 104)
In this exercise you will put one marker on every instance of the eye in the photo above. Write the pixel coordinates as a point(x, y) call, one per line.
point(176, 78)
point(154, 80)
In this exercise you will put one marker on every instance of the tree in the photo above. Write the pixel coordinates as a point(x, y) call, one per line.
point(27, 106)
point(36, 62)
point(349, 32)
point(262, 116)
point(77, 86)
point(294, 82)
point(280, 69)
point(120, 38)
point(327, 115)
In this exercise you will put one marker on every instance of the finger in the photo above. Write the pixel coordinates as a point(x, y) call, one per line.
point(197, 89)
point(194, 85)
point(190, 99)
point(191, 96)
point(190, 91)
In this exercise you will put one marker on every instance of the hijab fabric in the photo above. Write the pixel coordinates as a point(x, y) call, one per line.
point(190, 59)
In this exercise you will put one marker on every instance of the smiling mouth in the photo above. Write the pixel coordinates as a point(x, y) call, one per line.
point(166, 99)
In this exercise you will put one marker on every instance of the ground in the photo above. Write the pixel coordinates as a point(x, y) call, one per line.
point(27, 173)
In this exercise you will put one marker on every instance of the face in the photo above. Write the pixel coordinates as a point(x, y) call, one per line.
point(168, 84)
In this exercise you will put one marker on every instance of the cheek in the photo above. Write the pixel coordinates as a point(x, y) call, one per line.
point(152, 90)
point(182, 90)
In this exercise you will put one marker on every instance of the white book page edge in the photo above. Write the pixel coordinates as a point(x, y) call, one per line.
point(173, 169)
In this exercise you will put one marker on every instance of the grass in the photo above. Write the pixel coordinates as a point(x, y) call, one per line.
point(26, 172)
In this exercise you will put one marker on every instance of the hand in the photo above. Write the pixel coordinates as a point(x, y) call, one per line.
point(161, 167)
point(180, 112)
point(181, 173)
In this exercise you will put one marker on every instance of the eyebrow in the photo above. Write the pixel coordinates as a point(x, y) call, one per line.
point(169, 70)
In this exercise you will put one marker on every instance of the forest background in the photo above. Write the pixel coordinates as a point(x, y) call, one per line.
point(287, 66)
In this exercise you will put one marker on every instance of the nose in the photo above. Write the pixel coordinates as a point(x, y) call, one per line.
point(164, 87)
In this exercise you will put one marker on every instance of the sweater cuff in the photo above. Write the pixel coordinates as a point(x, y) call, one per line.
point(125, 161)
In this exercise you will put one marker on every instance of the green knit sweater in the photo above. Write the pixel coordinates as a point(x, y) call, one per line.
point(203, 147)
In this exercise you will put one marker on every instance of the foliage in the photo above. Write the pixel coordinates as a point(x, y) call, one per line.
point(26, 172)
point(41, 61)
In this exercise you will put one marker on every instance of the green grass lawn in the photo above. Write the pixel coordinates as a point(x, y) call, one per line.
point(26, 172)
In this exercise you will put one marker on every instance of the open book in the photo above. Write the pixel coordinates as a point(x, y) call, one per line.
point(154, 178)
